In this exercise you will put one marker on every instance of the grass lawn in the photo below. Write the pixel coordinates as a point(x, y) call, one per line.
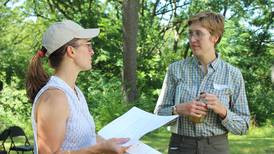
point(258, 141)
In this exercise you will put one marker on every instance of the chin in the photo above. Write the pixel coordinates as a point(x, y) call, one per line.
point(87, 68)
point(196, 52)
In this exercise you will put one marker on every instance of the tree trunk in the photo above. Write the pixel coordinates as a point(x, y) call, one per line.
point(130, 25)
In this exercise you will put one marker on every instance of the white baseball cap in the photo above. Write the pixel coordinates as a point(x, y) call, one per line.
point(60, 33)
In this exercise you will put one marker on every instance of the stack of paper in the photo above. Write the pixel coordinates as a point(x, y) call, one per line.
point(141, 148)
point(134, 124)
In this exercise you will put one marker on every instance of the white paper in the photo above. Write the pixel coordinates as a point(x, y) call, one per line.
point(133, 125)
point(141, 148)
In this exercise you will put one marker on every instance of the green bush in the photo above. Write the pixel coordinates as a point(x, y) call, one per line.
point(15, 109)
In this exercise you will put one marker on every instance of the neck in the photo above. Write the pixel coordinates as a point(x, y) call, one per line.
point(67, 75)
point(206, 59)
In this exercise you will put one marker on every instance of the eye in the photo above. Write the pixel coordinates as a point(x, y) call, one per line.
point(199, 33)
point(190, 33)
point(89, 44)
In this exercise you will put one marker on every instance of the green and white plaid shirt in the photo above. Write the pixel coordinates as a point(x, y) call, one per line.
point(185, 80)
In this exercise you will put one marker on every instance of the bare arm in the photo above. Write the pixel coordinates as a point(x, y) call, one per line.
point(52, 113)
point(51, 116)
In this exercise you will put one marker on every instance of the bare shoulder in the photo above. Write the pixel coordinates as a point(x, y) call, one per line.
point(53, 102)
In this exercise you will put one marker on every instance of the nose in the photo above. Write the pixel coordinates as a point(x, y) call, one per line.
point(91, 51)
point(192, 39)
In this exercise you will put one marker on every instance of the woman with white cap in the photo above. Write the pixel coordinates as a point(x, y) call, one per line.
point(61, 120)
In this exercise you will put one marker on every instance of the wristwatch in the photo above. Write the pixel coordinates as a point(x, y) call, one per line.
point(174, 110)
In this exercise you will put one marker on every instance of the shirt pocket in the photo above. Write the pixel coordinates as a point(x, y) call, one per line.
point(224, 94)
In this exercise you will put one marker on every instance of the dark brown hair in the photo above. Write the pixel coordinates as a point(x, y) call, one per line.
point(36, 76)
point(213, 22)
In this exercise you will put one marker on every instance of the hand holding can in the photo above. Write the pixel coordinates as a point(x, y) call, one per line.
point(201, 118)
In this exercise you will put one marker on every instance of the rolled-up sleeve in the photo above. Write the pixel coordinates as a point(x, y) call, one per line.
point(238, 116)
point(166, 98)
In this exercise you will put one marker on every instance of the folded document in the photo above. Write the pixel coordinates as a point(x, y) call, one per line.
point(134, 124)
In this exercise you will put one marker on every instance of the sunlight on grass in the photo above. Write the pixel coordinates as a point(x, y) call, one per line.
point(158, 139)
point(257, 141)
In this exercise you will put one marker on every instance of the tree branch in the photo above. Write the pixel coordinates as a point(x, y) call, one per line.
point(166, 11)
point(61, 10)
point(155, 7)
point(5, 3)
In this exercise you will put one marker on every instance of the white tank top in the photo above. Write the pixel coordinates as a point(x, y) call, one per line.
point(80, 127)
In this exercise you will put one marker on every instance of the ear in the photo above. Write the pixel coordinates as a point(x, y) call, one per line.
point(71, 51)
point(215, 38)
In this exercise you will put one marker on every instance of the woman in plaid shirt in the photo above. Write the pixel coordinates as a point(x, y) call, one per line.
point(207, 92)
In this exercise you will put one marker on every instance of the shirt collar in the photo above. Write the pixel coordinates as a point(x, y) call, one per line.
point(214, 64)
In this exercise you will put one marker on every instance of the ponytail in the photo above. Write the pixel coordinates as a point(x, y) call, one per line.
point(36, 76)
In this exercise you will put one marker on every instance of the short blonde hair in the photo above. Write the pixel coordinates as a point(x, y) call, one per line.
point(213, 22)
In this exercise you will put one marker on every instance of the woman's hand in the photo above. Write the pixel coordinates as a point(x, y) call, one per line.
point(113, 146)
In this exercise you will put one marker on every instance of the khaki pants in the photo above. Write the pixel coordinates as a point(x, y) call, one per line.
point(198, 145)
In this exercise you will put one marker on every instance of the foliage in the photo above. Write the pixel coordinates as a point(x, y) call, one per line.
point(14, 109)
point(104, 97)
